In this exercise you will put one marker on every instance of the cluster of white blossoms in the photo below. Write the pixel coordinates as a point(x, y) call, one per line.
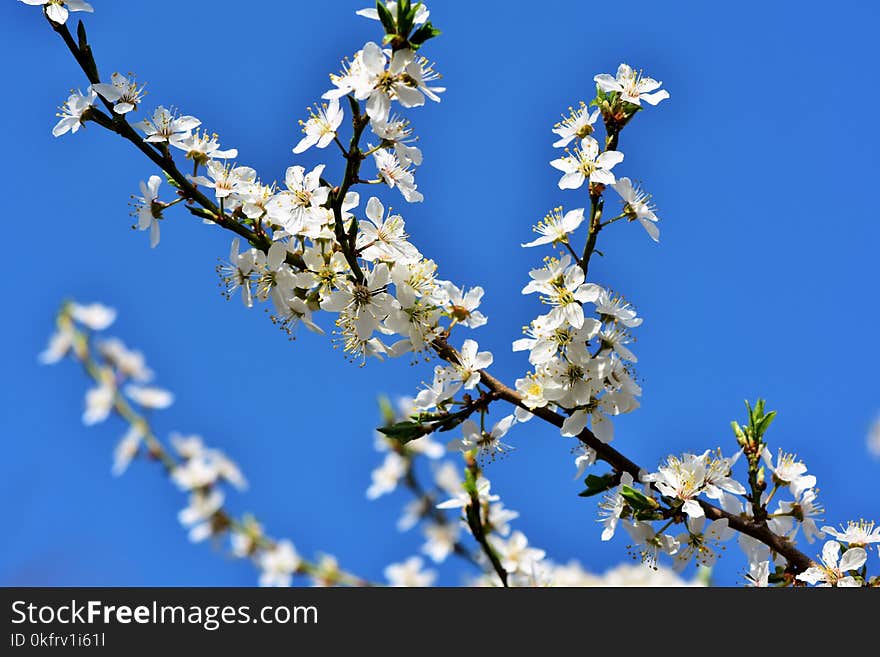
point(383, 287)
point(309, 246)
point(200, 471)
point(583, 364)
point(525, 565)
point(843, 558)
point(121, 378)
point(680, 487)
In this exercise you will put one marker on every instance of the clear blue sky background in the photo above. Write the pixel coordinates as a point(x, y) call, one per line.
point(763, 164)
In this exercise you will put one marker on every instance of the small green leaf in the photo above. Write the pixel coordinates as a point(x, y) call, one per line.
point(765, 422)
point(386, 17)
point(638, 501)
point(405, 22)
point(597, 485)
point(425, 32)
point(759, 409)
point(403, 7)
point(406, 431)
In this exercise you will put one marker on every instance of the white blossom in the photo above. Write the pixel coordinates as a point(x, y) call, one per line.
point(130, 364)
point(95, 316)
point(387, 476)
point(612, 506)
point(586, 456)
point(398, 133)
point(383, 237)
point(638, 207)
point(127, 448)
point(197, 516)
point(226, 180)
point(440, 540)
point(462, 498)
point(587, 164)
point(149, 210)
point(834, 567)
point(562, 286)
point(72, 112)
point(463, 305)
point(321, 126)
point(165, 127)
point(856, 534)
point(471, 361)
point(278, 564)
point(58, 10)
point(421, 16)
point(396, 174)
point(699, 541)
point(237, 273)
point(577, 125)
point(788, 471)
point(362, 305)
point(649, 545)
point(59, 345)
point(684, 479)
point(202, 147)
point(123, 92)
point(632, 86)
point(410, 573)
point(515, 554)
point(487, 443)
point(100, 400)
point(556, 227)
point(300, 204)
point(759, 574)
point(149, 397)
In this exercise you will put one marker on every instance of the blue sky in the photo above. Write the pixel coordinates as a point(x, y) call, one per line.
point(763, 165)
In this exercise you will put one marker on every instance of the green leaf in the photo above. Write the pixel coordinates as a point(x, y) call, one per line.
point(405, 19)
point(637, 500)
point(386, 17)
point(765, 422)
point(406, 431)
point(425, 32)
point(597, 485)
point(759, 409)
point(403, 7)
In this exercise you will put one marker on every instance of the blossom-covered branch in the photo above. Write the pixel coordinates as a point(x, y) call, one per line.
point(121, 380)
point(310, 249)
